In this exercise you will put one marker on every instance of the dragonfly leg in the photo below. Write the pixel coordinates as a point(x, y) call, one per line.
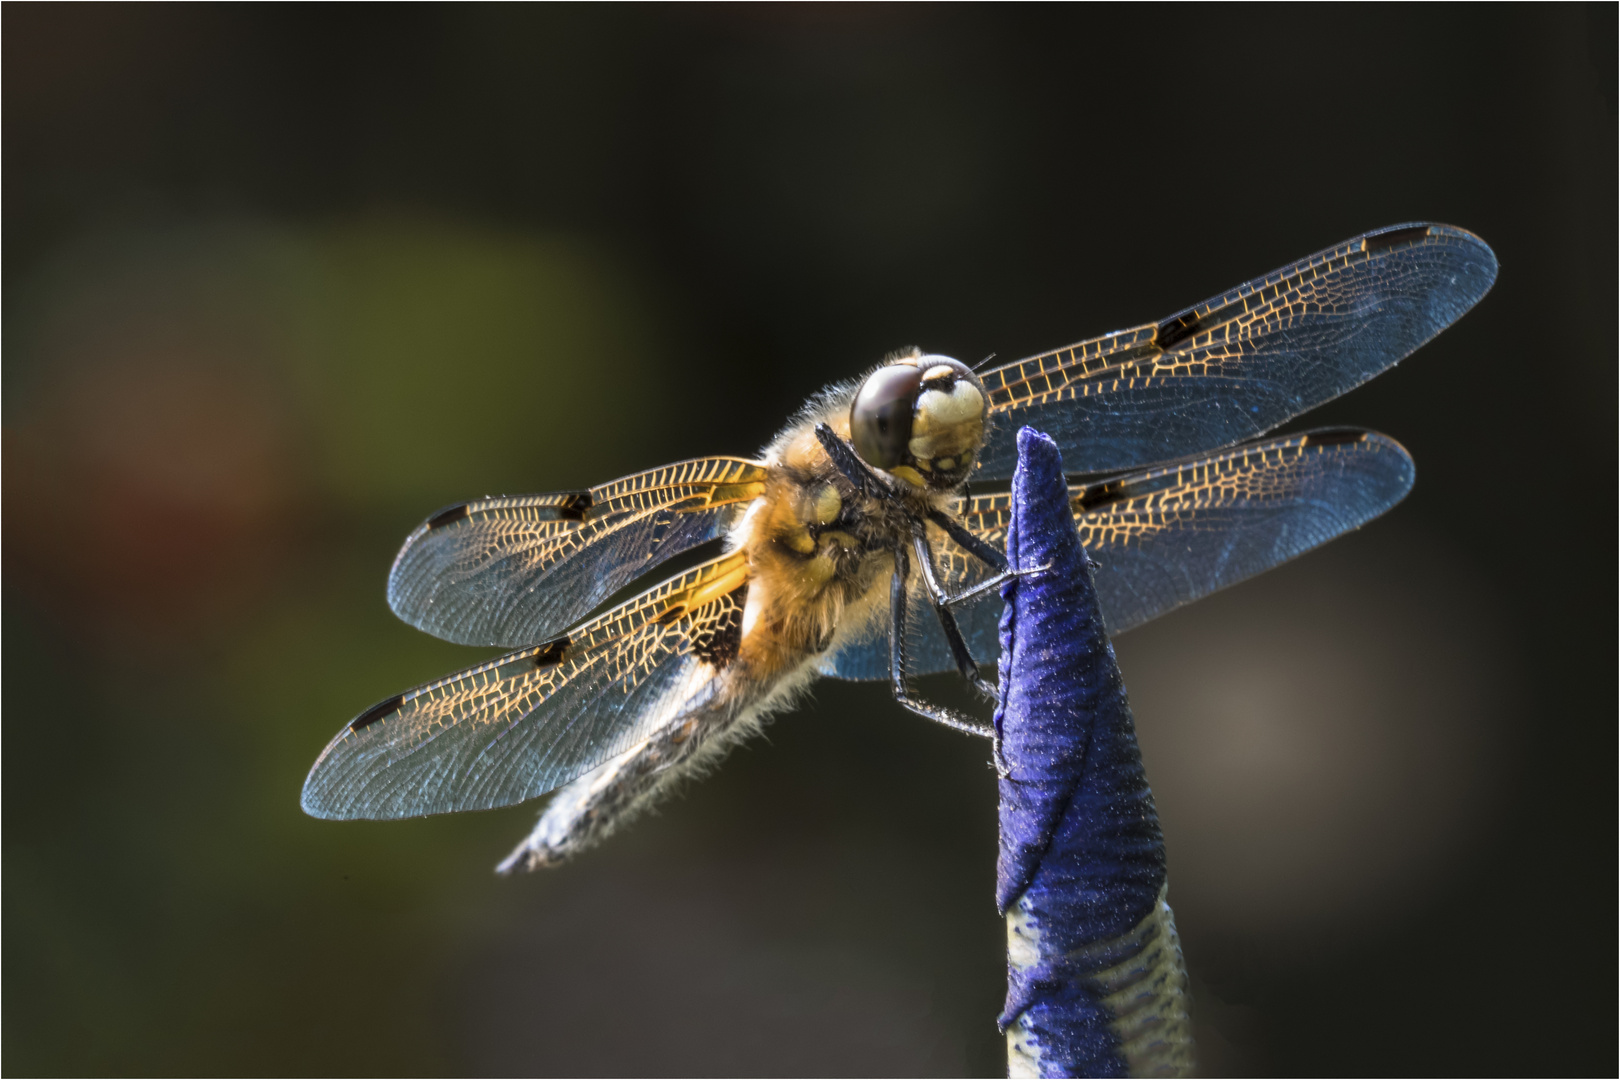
point(965, 663)
point(848, 462)
point(989, 583)
point(944, 601)
point(897, 658)
point(985, 553)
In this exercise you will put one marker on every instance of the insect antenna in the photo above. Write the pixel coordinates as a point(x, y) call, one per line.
point(975, 368)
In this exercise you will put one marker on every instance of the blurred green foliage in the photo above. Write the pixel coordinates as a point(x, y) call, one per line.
point(444, 359)
point(403, 362)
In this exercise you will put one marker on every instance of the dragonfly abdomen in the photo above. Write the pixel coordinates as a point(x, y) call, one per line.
point(588, 809)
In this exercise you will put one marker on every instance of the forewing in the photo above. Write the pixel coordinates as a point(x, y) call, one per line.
point(1243, 362)
point(528, 722)
point(516, 571)
point(1166, 536)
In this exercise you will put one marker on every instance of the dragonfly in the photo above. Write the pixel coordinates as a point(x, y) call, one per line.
point(853, 548)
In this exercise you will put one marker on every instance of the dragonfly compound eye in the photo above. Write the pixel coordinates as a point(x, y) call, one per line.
point(880, 418)
point(947, 426)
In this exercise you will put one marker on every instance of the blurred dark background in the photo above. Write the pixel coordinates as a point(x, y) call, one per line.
point(280, 281)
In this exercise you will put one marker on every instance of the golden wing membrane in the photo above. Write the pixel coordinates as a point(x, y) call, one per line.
point(1243, 362)
point(528, 722)
point(516, 571)
point(1165, 536)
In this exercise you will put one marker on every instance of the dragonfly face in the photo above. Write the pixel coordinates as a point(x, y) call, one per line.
point(851, 550)
point(920, 418)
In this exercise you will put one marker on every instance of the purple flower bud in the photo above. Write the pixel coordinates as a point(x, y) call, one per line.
point(1095, 983)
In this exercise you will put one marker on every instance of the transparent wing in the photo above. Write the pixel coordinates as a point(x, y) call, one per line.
point(528, 722)
point(516, 571)
point(1238, 365)
point(1166, 536)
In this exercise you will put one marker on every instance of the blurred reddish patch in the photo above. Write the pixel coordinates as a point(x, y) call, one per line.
point(149, 496)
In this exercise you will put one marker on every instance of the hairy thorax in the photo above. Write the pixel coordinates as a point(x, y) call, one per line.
point(819, 553)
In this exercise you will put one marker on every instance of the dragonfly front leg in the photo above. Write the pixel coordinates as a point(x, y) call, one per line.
point(898, 601)
point(965, 663)
point(942, 598)
point(985, 553)
point(848, 462)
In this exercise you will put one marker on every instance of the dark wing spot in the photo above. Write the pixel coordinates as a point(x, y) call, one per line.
point(1373, 243)
point(552, 652)
point(377, 712)
point(1095, 495)
point(1113, 491)
point(1335, 436)
point(570, 506)
point(449, 515)
point(575, 506)
point(719, 642)
point(1173, 332)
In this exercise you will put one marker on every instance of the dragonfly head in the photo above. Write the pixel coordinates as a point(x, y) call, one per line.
point(920, 418)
